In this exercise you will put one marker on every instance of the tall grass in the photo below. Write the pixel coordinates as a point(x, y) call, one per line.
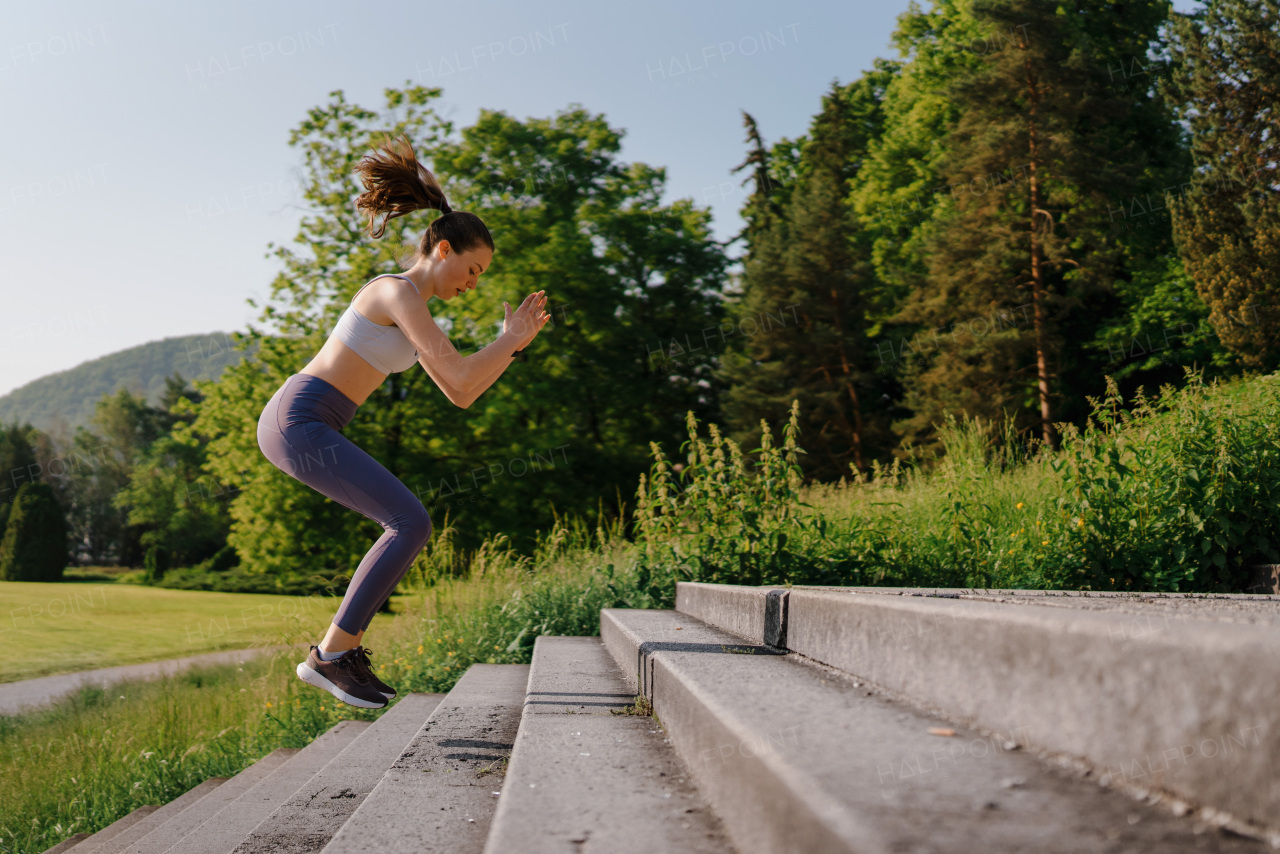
point(1177, 493)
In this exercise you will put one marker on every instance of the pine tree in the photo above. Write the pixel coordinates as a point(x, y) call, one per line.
point(1022, 262)
point(800, 326)
point(1226, 86)
point(34, 547)
point(765, 201)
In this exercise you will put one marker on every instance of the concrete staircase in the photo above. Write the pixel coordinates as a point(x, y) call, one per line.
point(797, 720)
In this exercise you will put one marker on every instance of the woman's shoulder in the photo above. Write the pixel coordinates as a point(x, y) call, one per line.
point(375, 298)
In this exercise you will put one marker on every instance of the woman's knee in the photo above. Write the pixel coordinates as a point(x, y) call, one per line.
point(415, 521)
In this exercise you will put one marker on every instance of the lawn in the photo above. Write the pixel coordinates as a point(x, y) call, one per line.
point(52, 628)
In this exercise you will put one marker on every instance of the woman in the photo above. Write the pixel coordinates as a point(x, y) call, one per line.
point(386, 328)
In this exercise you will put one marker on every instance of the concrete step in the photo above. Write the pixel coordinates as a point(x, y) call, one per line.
point(797, 756)
point(1168, 692)
point(439, 795)
point(166, 835)
point(308, 820)
point(584, 778)
point(66, 844)
point(118, 826)
point(152, 820)
point(228, 827)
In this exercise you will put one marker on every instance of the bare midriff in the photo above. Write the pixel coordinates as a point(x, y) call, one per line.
point(341, 367)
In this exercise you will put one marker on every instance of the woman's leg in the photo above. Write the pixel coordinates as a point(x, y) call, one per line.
point(316, 454)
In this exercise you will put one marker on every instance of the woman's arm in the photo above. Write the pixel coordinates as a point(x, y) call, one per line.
point(471, 396)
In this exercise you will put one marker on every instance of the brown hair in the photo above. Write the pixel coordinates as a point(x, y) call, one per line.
point(396, 184)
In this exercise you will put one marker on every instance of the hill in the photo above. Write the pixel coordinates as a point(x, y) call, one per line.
point(69, 396)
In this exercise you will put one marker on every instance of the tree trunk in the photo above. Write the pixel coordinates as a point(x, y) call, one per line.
point(1037, 263)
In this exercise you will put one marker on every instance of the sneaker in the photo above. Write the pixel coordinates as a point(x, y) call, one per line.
point(382, 687)
point(345, 678)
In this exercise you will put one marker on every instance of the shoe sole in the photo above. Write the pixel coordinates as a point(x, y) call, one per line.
point(311, 677)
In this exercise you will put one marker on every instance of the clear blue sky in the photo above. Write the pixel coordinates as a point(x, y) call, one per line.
point(146, 160)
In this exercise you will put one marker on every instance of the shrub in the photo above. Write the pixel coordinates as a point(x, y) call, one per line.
point(34, 547)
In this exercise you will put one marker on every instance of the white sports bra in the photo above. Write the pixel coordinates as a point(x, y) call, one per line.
point(384, 347)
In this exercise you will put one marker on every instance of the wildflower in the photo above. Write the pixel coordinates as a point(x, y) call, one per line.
point(268, 705)
point(419, 649)
point(450, 652)
point(1045, 543)
point(1020, 505)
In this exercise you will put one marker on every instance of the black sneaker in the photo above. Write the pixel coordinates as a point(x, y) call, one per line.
point(382, 687)
point(345, 677)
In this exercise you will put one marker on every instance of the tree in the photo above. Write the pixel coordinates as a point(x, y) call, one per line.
point(1225, 86)
point(1022, 263)
point(34, 547)
point(168, 497)
point(103, 458)
point(18, 462)
point(804, 313)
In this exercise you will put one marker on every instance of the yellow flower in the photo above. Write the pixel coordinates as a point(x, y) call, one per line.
point(1045, 543)
point(1010, 551)
point(268, 705)
point(419, 649)
point(1020, 505)
point(450, 652)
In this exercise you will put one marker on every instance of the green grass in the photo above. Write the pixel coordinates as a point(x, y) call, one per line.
point(1179, 494)
point(51, 628)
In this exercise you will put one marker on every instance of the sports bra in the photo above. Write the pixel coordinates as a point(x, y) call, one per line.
point(384, 347)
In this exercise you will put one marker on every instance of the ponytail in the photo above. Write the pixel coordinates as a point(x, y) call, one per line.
point(397, 184)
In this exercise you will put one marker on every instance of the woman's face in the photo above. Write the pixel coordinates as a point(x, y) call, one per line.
point(459, 272)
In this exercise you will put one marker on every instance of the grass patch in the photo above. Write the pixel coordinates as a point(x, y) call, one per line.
point(640, 706)
point(53, 628)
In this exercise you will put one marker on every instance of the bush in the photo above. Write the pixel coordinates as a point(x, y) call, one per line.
point(155, 563)
point(726, 519)
point(34, 547)
point(1180, 494)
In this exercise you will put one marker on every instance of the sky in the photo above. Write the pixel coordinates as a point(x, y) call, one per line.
point(147, 164)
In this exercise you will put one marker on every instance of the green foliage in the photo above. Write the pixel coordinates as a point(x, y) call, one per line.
point(1164, 328)
point(724, 518)
point(799, 326)
point(1021, 255)
point(155, 563)
point(168, 497)
point(34, 547)
point(1182, 493)
point(1226, 81)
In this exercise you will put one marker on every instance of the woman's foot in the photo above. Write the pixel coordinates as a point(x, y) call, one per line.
point(383, 688)
point(346, 677)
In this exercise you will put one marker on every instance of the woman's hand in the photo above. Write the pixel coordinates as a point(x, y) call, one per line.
point(527, 321)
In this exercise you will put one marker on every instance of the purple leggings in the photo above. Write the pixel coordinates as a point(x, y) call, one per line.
point(298, 433)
